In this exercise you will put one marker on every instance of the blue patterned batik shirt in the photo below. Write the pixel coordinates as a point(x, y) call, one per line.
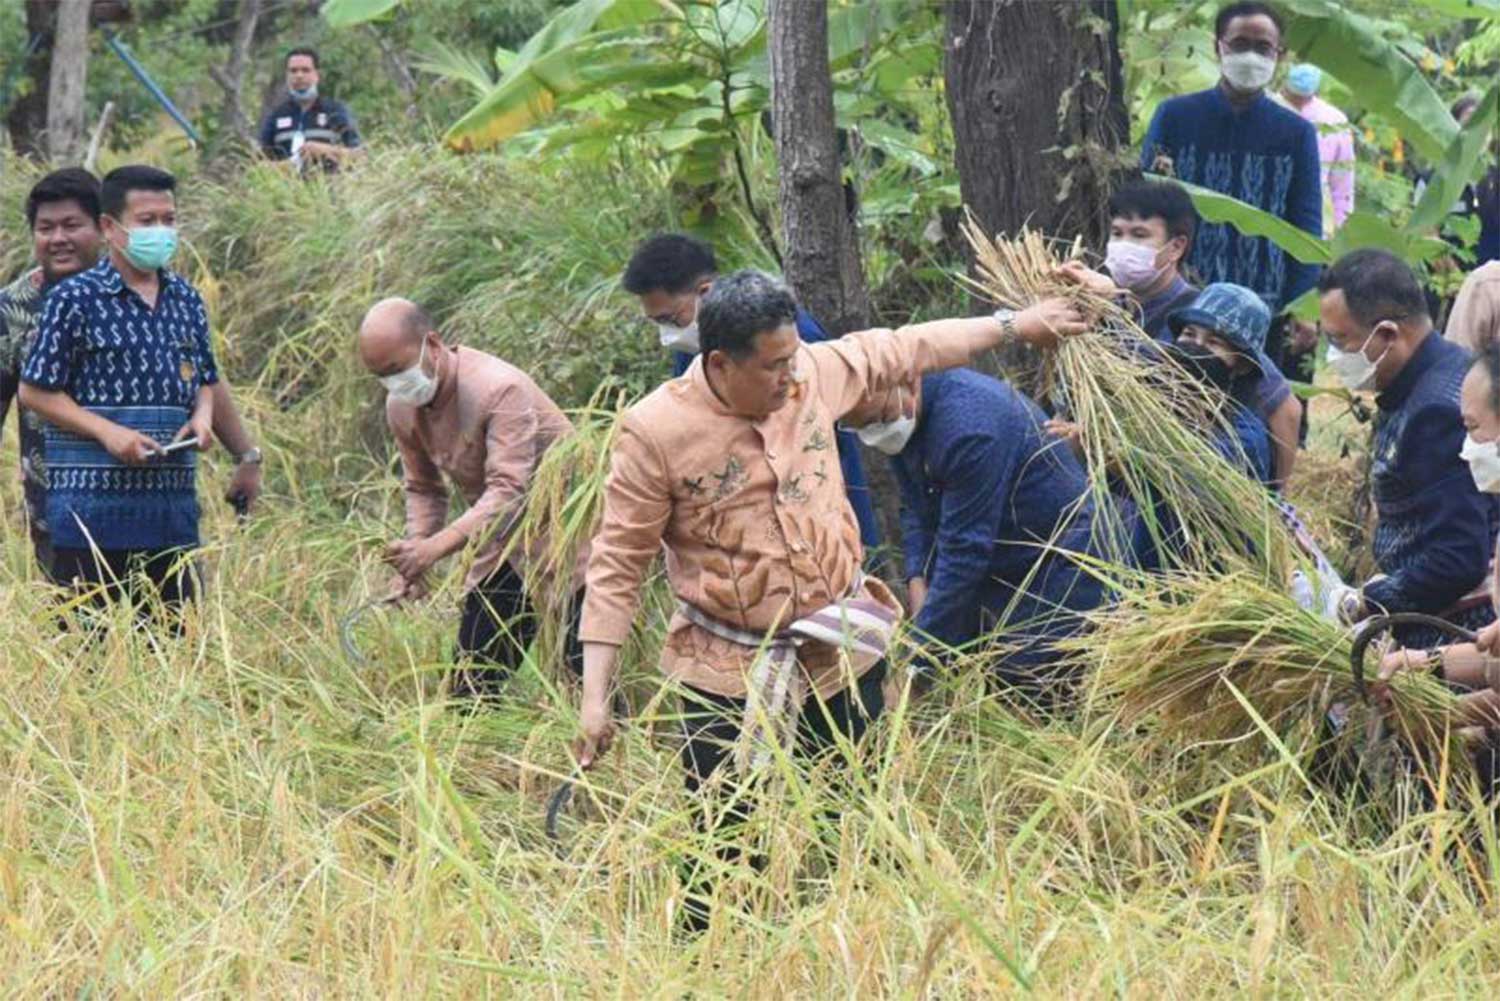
point(1265, 155)
point(139, 367)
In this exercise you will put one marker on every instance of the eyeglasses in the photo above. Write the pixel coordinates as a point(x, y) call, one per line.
point(1239, 46)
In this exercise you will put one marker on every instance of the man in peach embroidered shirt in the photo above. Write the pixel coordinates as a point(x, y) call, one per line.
point(732, 468)
point(486, 425)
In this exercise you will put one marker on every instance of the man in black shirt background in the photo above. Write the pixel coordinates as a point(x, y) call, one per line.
point(308, 128)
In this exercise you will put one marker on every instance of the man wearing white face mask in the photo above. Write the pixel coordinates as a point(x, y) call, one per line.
point(1435, 530)
point(485, 425)
point(984, 491)
point(1236, 140)
point(670, 273)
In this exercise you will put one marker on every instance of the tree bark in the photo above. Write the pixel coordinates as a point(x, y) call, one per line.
point(233, 124)
point(1036, 94)
point(27, 119)
point(821, 260)
point(69, 76)
point(822, 250)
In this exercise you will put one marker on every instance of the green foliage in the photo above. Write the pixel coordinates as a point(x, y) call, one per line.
point(347, 13)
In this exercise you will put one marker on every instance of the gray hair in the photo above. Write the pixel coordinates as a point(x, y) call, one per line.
point(738, 307)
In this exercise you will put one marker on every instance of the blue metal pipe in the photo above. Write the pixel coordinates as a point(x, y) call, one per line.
point(150, 85)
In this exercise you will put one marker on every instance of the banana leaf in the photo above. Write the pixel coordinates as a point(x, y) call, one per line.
point(347, 13)
point(1216, 207)
point(1465, 8)
point(578, 51)
point(1459, 165)
point(1349, 47)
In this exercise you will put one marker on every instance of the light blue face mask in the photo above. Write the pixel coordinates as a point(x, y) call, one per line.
point(151, 247)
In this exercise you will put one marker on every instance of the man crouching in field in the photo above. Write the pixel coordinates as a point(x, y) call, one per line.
point(486, 425)
point(732, 467)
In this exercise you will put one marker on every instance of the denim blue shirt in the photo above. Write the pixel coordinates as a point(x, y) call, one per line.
point(983, 489)
point(138, 366)
point(1265, 155)
point(1435, 532)
point(855, 485)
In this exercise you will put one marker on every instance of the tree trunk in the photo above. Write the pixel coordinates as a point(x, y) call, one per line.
point(233, 125)
point(69, 75)
point(822, 250)
point(821, 260)
point(27, 119)
point(1035, 91)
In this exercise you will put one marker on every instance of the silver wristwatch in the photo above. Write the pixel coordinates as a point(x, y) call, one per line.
point(1007, 318)
point(250, 458)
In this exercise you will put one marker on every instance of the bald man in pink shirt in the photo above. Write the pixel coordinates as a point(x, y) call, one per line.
point(484, 425)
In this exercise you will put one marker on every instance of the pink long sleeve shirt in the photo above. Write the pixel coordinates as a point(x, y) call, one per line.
point(486, 429)
point(1336, 153)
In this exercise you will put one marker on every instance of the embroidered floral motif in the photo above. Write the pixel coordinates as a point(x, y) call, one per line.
point(731, 479)
point(818, 442)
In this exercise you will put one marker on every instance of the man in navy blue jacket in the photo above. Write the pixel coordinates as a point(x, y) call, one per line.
point(1234, 139)
point(1435, 532)
point(989, 503)
point(669, 274)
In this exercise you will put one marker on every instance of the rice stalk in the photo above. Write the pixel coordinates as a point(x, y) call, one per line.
point(1146, 427)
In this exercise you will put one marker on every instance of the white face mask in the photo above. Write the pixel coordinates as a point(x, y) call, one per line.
point(1247, 71)
point(889, 437)
point(412, 386)
point(684, 339)
point(1353, 369)
point(1132, 265)
point(1484, 463)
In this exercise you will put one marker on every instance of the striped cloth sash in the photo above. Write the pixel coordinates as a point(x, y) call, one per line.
point(777, 689)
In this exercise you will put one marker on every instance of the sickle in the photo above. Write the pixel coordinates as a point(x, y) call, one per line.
point(1375, 625)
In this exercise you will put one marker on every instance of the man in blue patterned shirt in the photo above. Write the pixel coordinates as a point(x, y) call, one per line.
point(121, 368)
point(1435, 532)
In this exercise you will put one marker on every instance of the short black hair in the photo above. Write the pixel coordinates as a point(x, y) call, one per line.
point(301, 50)
point(121, 181)
point(1377, 285)
point(1164, 200)
point(71, 184)
point(1466, 103)
point(669, 262)
point(1247, 8)
point(1487, 357)
point(740, 306)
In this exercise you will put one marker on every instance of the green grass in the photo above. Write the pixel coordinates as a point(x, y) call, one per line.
point(245, 811)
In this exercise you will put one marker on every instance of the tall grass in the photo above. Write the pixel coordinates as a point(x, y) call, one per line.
point(245, 811)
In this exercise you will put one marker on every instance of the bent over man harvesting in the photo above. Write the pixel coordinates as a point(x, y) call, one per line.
point(732, 468)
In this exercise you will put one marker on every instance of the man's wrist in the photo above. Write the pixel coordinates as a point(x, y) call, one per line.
point(1007, 321)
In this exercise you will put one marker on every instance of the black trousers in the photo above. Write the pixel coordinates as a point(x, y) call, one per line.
point(139, 574)
point(498, 625)
point(711, 727)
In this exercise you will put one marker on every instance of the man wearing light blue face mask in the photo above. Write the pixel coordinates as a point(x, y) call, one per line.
point(1435, 531)
point(122, 367)
point(308, 128)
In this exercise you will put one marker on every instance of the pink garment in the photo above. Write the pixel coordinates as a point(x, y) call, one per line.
point(1336, 152)
point(753, 515)
point(486, 429)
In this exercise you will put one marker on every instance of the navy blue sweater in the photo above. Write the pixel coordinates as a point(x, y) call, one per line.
point(1435, 532)
point(1266, 156)
point(983, 487)
point(855, 485)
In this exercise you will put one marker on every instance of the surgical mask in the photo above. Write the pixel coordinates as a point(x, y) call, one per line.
point(309, 93)
point(1484, 463)
point(889, 437)
point(684, 339)
point(1132, 265)
point(1352, 368)
point(1247, 71)
point(413, 386)
point(151, 247)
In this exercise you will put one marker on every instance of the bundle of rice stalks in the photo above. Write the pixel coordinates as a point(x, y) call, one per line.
point(1205, 656)
point(1150, 431)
